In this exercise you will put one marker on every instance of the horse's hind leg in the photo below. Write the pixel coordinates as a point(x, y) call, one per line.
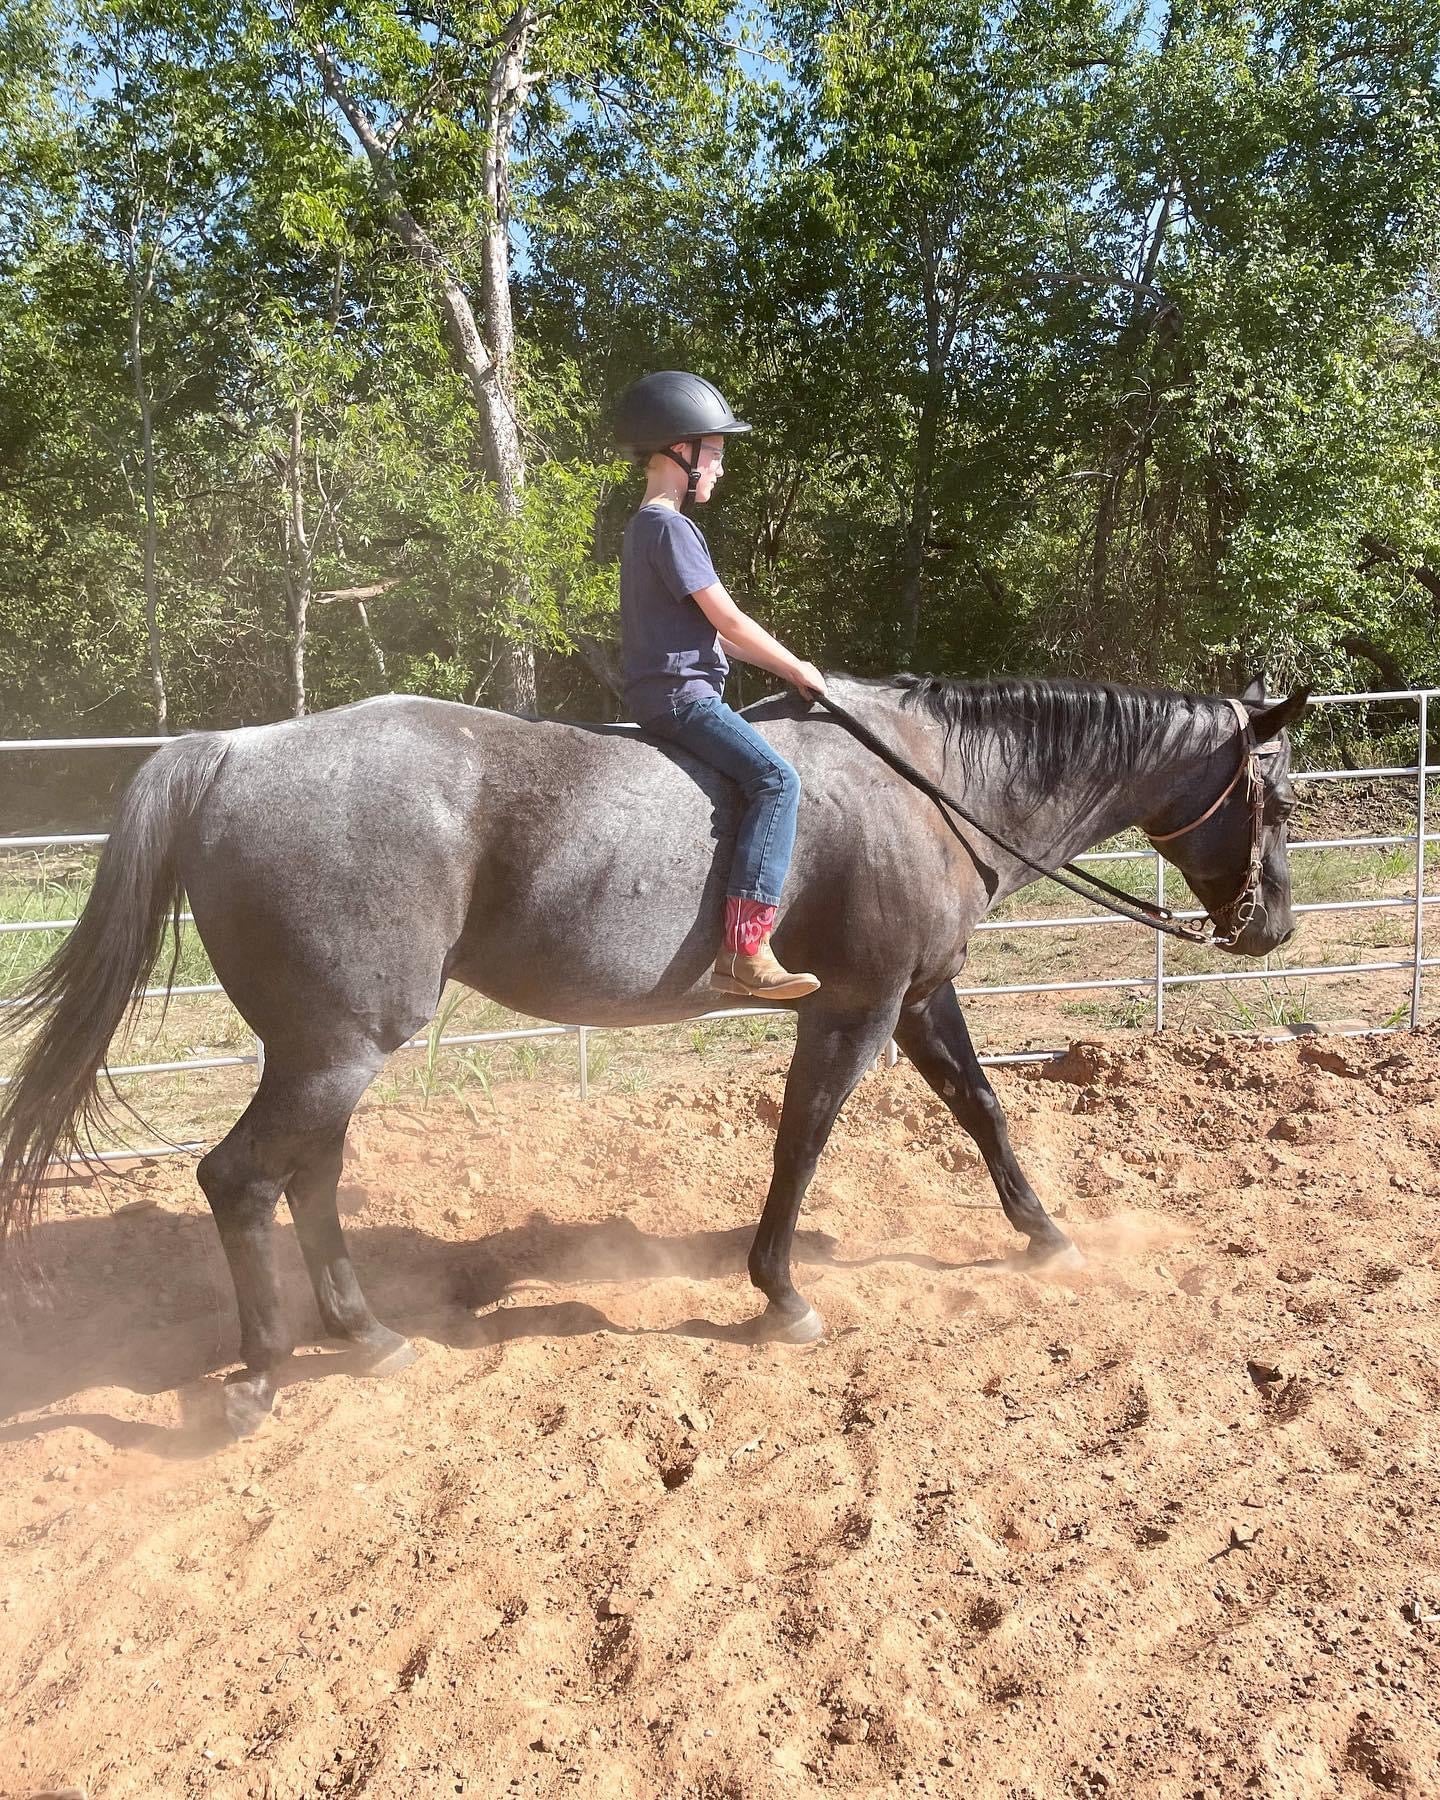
point(935, 1038)
point(293, 1115)
point(344, 1310)
point(832, 1052)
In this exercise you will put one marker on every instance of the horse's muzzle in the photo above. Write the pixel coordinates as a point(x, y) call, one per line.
point(1260, 939)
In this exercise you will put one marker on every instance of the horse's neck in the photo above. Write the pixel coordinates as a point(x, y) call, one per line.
point(1082, 811)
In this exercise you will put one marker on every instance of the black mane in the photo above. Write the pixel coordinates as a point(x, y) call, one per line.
point(1046, 731)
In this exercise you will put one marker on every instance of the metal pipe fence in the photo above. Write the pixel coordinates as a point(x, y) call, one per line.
point(1159, 983)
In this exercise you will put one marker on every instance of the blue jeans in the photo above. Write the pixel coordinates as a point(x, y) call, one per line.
point(712, 733)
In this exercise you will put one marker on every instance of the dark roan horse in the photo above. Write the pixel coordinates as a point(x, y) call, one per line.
point(340, 868)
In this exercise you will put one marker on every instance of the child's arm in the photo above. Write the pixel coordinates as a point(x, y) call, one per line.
point(741, 636)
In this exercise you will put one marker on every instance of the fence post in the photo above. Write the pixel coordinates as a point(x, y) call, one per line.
point(582, 1032)
point(259, 1061)
point(1159, 946)
point(1422, 760)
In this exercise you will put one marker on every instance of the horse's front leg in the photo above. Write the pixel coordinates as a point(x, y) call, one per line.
point(832, 1051)
point(935, 1038)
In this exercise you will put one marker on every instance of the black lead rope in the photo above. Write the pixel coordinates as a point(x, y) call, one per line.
point(1132, 906)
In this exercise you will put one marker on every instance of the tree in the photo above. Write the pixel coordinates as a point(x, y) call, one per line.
point(158, 187)
point(439, 108)
point(1075, 339)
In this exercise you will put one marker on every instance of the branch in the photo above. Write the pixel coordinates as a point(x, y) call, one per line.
point(356, 594)
point(208, 493)
point(1360, 52)
point(1157, 242)
point(674, 18)
point(406, 119)
point(1376, 654)
point(1147, 289)
point(471, 351)
point(1378, 551)
point(359, 122)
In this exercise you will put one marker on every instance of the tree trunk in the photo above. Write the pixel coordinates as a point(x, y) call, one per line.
point(140, 273)
point(775, 517)
point(1105, 635)
point(942, 322)
point(922, 508)
point(509, 85)
point(376, 652)
point(486, 366)
point(1379, 657)
point(602, 662)
point(299, 562)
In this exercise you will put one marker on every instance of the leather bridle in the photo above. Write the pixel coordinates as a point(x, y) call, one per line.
point(1242, 907)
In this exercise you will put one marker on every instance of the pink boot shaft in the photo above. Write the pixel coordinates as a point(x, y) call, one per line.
point(747, 924)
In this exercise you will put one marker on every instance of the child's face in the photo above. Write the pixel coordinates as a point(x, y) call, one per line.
point(712, 459)
point(712, 467)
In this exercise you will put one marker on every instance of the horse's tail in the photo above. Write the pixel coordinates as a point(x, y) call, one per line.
point(82, 993)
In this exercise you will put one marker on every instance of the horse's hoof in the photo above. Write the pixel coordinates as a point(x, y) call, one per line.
point(248, 1402)
point(1055, 1259)
point(389, 1354)
point(774, 1328)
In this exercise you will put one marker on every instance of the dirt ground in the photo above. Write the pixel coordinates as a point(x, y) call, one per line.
point(1166, 1526)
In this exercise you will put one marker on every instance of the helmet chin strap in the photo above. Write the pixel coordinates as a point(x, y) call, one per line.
point(691, 468)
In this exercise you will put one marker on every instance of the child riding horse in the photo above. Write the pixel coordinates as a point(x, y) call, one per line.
point(679, 626)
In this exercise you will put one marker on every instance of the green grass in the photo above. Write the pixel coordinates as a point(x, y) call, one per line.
point(1277, 1002)
point(38, 885)
point(1126, 1013)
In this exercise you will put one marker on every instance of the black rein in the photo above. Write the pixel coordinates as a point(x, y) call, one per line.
point(1095, 888)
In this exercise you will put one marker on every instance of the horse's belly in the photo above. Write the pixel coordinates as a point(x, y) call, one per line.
point(600, 927)
point(615, 965)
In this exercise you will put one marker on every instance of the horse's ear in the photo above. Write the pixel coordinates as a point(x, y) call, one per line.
point(1270, 722)
point(1254, 695)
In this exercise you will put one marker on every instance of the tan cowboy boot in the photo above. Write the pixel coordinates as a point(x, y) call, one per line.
point(758, 977)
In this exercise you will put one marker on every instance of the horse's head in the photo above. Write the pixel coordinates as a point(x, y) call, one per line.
point(1234, 855)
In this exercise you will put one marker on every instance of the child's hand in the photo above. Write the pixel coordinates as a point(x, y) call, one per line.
point(808, 679)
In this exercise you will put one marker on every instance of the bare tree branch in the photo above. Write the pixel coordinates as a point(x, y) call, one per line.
point(353, 594)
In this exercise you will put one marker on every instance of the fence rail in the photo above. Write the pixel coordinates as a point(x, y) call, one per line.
point(1159, 983)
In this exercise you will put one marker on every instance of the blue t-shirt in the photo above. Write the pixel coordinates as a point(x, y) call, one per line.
point(669, 650)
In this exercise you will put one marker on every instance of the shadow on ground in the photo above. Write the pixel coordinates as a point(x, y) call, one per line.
point(143, 1302)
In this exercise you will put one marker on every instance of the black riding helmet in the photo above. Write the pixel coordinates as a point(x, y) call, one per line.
point(670, 407)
